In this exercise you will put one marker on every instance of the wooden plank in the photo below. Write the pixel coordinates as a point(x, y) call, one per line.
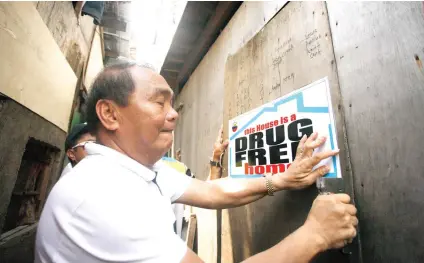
point(14, 239)
point(95, 61)
point(376, 46)
point(46, 178)
point(72, 35)
point(174, 59)
point(223, 13)
point(34, 71)
point(201, 115)
point(293, 50)
point(8, 234)
point(191, 231)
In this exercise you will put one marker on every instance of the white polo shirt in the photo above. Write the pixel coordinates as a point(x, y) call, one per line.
point(66, 170)
point(108, 209)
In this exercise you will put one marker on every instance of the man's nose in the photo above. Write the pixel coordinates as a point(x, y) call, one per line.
point(172, 115)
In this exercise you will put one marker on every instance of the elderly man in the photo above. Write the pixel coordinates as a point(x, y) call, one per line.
point(116, 206)
point(74, 145)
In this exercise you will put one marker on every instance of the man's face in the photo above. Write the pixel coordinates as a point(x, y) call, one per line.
point(76, 154)
point(148, 122)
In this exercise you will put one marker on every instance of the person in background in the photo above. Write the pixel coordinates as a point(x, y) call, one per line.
point(219, 148)
point(74, 145)
point(178, 155)
point(178, 208)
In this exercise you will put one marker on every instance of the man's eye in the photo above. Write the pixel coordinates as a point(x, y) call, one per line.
point(161, 103)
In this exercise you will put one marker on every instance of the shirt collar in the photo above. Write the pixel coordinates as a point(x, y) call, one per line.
point(124, 160)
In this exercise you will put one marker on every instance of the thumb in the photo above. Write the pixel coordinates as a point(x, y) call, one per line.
point(225, 144)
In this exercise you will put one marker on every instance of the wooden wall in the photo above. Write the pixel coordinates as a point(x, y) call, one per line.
point(377, 84)
point(73, 38)
point(29, 57)
point(293, 50)
point(43, 52)
point(95, 60)
point(201, 116)
point(379, 48)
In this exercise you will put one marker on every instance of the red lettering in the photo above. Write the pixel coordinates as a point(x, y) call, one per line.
point(284, 120)
point(248, 169)
point(269, 168)
point(259, 169)
point(249, 131)
point(276, 168)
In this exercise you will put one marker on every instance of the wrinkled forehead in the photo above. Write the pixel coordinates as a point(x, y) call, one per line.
point(148, 83)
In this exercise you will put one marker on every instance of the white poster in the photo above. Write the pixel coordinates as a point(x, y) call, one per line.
point(264, 140)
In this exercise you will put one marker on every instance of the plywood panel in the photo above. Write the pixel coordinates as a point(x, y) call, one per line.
point(293, 50)
point(201, 116)
point(73, 38)
point(33, 70)
point(95, 61)
point(379, 47)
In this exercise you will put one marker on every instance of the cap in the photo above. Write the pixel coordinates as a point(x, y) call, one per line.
point(74, 134)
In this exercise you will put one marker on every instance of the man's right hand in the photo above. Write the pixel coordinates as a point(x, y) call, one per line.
point(332, 221)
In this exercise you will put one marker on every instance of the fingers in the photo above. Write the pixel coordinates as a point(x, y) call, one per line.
point(344, 198)
point(351, 209)
point(311, 138)
point(318, 157)
point(220, 134)
point(334, 219)
point(355, 221)
point(224, 145)
point(301, 147)
point(346, 236)
point(308, 144)
point(312, 143)
point(349, 233)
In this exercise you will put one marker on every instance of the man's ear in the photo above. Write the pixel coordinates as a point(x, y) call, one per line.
point(71, 155)
point(108, 114)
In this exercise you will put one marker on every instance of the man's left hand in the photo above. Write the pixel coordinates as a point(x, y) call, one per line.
point(300, 174)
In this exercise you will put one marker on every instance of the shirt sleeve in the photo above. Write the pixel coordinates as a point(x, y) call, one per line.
point(172, 182)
